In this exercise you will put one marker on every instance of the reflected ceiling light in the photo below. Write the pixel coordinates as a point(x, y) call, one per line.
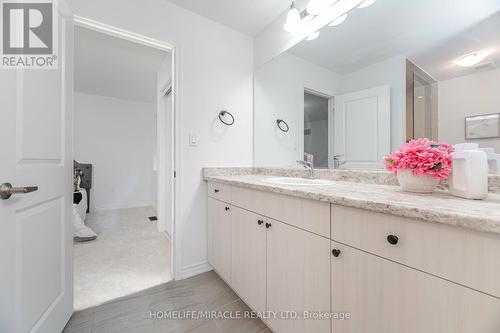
point(315, 7)
point(338, 20)
point(313, 36)
point(366, 3)
point(293, 21)
point(471, 59)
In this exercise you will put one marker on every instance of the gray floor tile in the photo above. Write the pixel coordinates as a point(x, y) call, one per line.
point(80, 319)
point(82, 329)
point(239, 325)
point(135, 313)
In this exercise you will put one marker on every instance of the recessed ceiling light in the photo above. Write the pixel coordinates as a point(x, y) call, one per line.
point(313, 36)
point(338, 20)
point(366, 3)
point(471, 59)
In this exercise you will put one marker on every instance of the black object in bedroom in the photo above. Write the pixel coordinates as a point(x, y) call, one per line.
point(86, 179)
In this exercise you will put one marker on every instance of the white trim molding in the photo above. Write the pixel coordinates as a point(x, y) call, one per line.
point(195, 270)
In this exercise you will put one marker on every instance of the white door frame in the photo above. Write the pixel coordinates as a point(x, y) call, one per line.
point(143, 40)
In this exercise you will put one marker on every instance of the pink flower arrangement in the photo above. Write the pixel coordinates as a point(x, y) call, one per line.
point(422, 157)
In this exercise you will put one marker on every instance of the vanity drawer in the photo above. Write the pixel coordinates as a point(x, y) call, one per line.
point(457, 254)
point(219, 191)
point(310, 215)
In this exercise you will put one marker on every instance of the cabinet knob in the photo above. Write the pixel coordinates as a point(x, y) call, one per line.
point(226, 208)
point(260, 222)
point(216, 191)
point(336, 252)
point(268, 225)
point(392, 239)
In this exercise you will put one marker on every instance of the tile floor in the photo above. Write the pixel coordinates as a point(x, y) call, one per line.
point(204, 292)
point(128, 256)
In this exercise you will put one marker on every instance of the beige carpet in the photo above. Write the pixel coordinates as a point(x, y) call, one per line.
point(129, 255)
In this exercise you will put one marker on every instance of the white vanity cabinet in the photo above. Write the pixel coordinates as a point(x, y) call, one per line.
point(249, 257)
point(219, 237)
point(280, 266)
point(384, 296)
point(298, 278)
point(287, 255)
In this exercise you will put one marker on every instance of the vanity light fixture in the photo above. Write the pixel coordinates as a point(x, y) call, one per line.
point(366, 3)
point(338, 20)
point(471, 59)
point(316, 7)
point(293, 20)
point(313, 36)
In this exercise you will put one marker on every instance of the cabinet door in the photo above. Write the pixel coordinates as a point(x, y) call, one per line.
point(219, 237)
point(249, 258)
point(298, 278)
point(384, 296)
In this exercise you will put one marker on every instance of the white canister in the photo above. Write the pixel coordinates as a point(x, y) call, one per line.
point(469, 176)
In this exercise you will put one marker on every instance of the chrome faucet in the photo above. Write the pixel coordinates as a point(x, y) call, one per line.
point(308, 165)
point(337, 163)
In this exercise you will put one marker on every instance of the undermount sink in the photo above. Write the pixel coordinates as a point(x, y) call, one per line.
point(297, 181)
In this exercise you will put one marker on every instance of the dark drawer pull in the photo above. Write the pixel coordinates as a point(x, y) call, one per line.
point(336, 252)
point(226, 208)
point(392, 239)
point(268, 225)
point(259, 222)
point(216, 191)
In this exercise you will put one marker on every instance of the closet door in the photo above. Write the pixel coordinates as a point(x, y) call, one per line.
point(249, 258)
point(219, 237)
point(298, 278)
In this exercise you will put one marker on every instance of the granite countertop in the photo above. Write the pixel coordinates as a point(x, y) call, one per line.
point(438, 207)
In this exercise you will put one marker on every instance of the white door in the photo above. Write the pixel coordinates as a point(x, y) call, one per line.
point(363, 128)
point(36, 229)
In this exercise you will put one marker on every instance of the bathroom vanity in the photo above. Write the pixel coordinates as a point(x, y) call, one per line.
point(391, 261)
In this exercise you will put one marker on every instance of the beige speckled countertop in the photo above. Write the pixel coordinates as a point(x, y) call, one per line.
point(439, 207)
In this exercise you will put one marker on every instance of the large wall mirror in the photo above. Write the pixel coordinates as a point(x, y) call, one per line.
point(388, 73)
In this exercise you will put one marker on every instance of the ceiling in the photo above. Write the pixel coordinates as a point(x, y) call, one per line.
point(392, 27)
point(115, 67)
point(247, 16)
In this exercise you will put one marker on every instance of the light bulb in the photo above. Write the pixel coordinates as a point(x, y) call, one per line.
point(471, 59)
point(366, 3)
point(338, 20)
point(293, 21)
point(315, 7)
point(313, 36)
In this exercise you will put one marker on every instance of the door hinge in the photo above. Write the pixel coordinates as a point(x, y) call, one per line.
point(175, 174)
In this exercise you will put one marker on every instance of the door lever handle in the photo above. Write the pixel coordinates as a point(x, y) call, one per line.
point(6, 190)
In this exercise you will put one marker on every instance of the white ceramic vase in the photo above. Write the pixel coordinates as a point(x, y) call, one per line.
point(418, 184)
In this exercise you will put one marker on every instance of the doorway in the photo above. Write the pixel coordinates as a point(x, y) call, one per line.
point(124, 162)
point(318, 128)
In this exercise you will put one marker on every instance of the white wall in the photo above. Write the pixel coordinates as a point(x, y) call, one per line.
point(469, 95)
point(279, 94)
point(390, 72)
point(215, 70)
point(116, 137)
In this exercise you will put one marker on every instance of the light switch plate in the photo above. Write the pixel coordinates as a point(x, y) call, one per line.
point(193, 140)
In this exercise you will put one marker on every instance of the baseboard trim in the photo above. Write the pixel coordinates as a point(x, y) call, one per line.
point(195, 270)
point(119, 206)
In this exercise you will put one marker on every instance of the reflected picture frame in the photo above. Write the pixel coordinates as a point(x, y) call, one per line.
point(485, 126)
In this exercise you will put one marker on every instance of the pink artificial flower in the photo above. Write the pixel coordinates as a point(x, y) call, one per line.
point(422, 157)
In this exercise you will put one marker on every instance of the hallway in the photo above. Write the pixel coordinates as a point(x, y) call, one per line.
point(128, 256)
